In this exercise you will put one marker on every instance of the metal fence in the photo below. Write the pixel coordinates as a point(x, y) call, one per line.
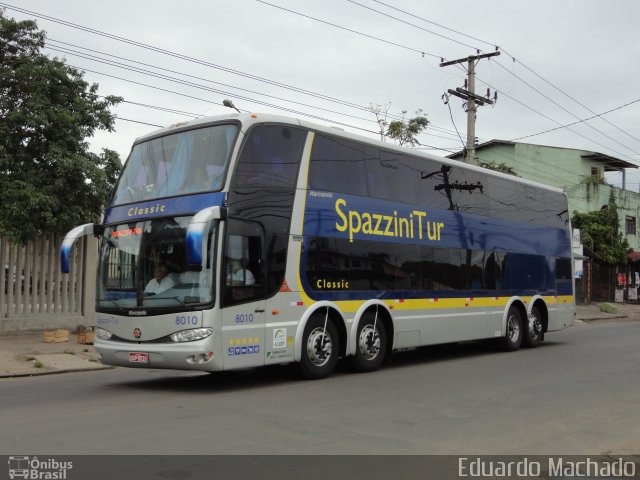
point(35, 295)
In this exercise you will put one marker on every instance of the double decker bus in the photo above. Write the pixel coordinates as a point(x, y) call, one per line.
point(245, 240)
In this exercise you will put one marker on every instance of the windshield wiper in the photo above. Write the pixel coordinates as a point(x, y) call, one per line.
point(166, 298)
point(121, 309)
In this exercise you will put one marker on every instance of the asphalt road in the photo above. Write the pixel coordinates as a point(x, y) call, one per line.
point(578, 393)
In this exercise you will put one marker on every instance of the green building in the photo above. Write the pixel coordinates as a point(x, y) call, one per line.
point(581, 174)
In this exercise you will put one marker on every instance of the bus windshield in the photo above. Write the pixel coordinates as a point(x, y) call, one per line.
point(186, 162)
point(143, 265)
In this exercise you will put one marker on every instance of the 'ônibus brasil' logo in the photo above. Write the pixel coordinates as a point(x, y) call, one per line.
point(32, 467)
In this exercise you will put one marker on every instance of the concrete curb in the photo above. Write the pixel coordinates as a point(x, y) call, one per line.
point(54, 372)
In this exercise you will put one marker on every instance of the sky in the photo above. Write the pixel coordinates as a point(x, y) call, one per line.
point(561, 62)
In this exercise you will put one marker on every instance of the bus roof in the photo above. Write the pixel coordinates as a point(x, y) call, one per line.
point(248, 119)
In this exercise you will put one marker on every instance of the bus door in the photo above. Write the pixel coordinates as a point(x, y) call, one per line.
point(243, 296)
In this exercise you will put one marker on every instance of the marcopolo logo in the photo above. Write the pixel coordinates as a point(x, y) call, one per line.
point(38, 469)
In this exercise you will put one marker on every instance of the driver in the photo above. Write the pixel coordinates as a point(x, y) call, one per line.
point(161, 280)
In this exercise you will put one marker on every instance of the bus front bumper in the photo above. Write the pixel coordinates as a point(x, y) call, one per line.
point(199, 355)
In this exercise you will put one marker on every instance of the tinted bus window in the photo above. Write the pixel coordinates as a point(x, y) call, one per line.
point(384, 179)
point(262, 190)
point(270, 157)
point(410, 268)
point(339, 165)
point(505, 198)
point(329, 267)
point(557, 214)
point(468, 190)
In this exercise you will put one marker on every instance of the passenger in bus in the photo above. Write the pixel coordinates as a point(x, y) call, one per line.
point(204, 178)
point(161, 281)
point(240, 275)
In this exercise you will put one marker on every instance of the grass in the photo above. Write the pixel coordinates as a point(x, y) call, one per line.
point(36, 363)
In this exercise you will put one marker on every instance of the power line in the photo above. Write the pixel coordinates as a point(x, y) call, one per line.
point(195, 60)
point(389, 42)
point(454, 123)
point(508, 71)
point(154, 74)
point(178, 55)
point(411, 24)
point(551, 119)
point(137, 121)
point(81, 54)
point(579, 121)
point(296, 112)
point(437, 24)
point(569, 96)
point(570, 113)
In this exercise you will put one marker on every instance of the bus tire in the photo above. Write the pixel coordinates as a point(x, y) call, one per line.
point(533, 333)
point(514, 331)
point(371, 344)
point(320, 348)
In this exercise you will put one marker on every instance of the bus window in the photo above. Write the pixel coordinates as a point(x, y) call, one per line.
point(331, 155)
point(243, 270)
point(169, 165)
point(270, 157)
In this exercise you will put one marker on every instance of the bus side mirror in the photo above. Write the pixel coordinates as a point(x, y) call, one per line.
point(195, 232)
point(71, 238)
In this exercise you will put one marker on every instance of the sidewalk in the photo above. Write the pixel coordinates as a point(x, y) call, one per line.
point(588, 313)
point(25, 355)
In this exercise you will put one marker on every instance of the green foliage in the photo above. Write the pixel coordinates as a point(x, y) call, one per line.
point(405, 131)
point(48, 178)
point(498, 167)
point(593, 180)
point(599, 231)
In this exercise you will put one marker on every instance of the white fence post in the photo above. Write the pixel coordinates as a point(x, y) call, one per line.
point(34, 295)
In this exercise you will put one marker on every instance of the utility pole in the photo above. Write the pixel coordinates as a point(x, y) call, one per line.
point(473, 101)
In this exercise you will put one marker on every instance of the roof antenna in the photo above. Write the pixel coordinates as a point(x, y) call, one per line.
point(229, 103)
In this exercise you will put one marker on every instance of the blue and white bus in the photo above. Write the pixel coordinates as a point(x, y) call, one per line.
point(245, 240)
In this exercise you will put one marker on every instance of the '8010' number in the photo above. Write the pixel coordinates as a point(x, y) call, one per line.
point(186, 320)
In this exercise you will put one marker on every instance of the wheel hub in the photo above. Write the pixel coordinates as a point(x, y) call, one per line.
point(319, 347)
point(536, 325)
point(513, 328)
point(369, 342)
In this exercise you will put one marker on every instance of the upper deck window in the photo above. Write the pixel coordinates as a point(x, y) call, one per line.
point(186, 162)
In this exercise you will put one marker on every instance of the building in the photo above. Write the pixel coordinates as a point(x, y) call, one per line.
point(581, 174)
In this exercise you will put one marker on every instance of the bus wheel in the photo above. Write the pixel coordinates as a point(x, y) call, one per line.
point(513, 336)
point(320, 348)
point(533, 335)
point(371, 344)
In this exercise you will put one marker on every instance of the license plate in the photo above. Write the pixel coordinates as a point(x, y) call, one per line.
point(138, 357)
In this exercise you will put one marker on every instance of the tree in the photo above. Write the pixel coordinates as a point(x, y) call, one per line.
point(498, 167)
point(48, 178)
point(599, 231)
point(406, 131)
point(381, 112)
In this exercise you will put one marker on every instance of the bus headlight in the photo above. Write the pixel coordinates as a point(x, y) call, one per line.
point(191, 335)
point(103, 334)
